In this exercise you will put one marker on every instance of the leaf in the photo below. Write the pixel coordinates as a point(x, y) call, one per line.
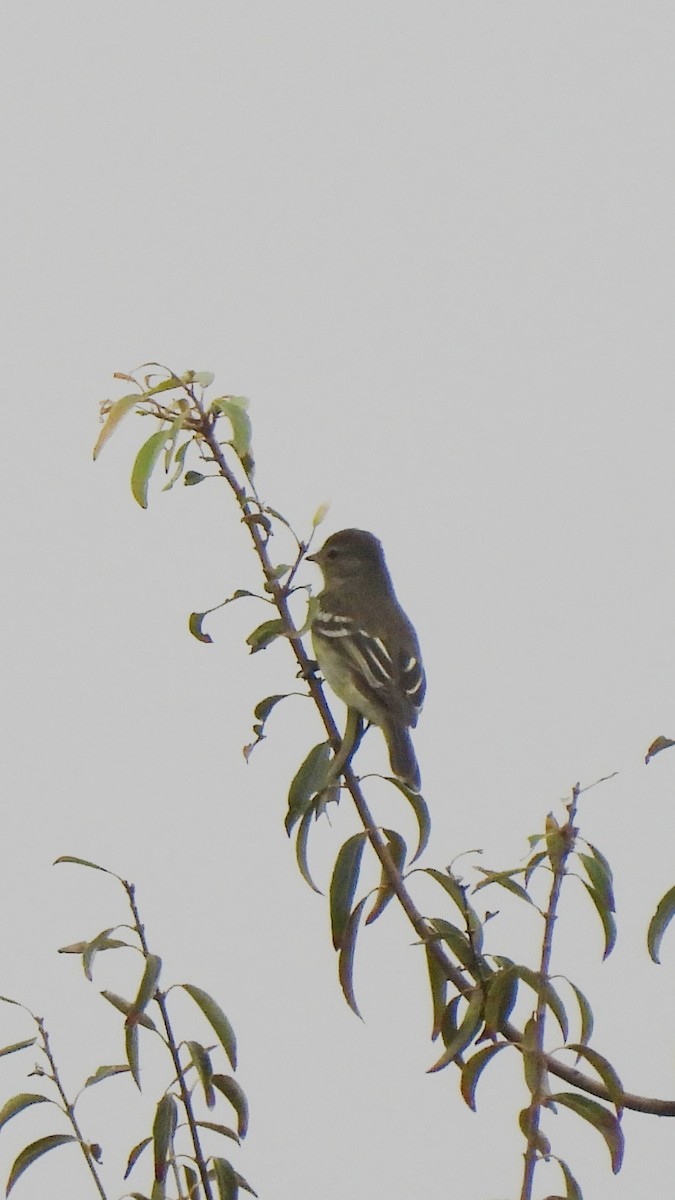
point(31, 1153)
point(599, 1117)
point(102, 941)
point(202, 1063)
point(84, 862)
point(118, 410)
point(106, 1073)
point(261, 712)
point(320, 514)
point(456, 939)
point(146, 461)
point(473, 1069)
point(191, 1183)
point(301, 849)
point(265, 634)
point(17, 1046)
point(192, 478)
point(599, 878)
point(195, 627)
point(163, 1130)
point(665, 910)
point(224, 1130)
point(216, 1018)
point(226, 1178)
point(439, 989)
point(233, 1092)
point(343, 885)
point(385, 892)
point(18, 1103)
point(126, 1007)
point(346, 957)
point(604, 1069)
point(457, 893)
point(179, 464)
point(659, 744)
point(608, 922)
point(466, 1031)
point(234, 408)
point(502, 990)
point(135, 1155)
point(505, 880)
point(586, 1013)
point(534, 980)
point(203, 378)
point(572, 1189)
point(306, 783)
point(131, 1047)
point(421, 811)
point(148, 984)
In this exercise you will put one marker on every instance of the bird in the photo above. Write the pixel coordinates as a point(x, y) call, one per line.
point(365, 645)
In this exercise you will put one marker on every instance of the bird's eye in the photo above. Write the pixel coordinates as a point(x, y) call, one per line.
point(332, 553)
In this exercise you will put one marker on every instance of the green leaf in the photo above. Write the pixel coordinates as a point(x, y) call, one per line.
point(36, 1149)
point(265, 634)
point(223, 1130)
point(604, 1069)
point(233, 1092)
point(126, 1007)
point(665, 910)
point(573, 1191)
point(148, 984)
point(473, 1069)
point(466, 1031)
point(84, 862)
point(599, 1117)
point(119, 409)
point(343, 885)
point(234, 408)
point(439, 989)
point(385, 892)
point(102, 941)
point(131, 1047)
point(163, 1130)
point(191, 1183)
point(195, 627)
point(504, 879)
point(502, 990)
point(608, 922)
point(346, 956)
point(17, 1046)
point(146, 461)
point(18, 1103)
point(202, 1063)
point(226, 1178)
point(179, 464)
point(301, 849)
point(457, 893)
point(599, 879)
point(456, 939)
point(192, 478)
point(421, 811)
point(216, 1018)
point(106, 1073)
point(135, 1155)
point(534, 980)
point(307, 782)
point(586, 1013)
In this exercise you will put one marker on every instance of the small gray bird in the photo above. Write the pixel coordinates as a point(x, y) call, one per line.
point(365, 645)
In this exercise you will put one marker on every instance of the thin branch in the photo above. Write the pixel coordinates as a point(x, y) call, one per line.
point(69, 1108)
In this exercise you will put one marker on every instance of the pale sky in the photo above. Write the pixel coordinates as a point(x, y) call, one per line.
point(432, 243)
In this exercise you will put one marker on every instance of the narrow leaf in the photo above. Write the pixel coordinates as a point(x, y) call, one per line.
point(223, 1130)
point(466, 1032)
point(301, 849)
point(659, 744)
point(343, 885)
point(398, 851)
point(586, 1014)
point(36, 1149)
point(106, 1073)
point(202, 1063)
point(163, 1130)
point(456, 939)
point(131, 1047)
point(226, 1178)
point(600, 1118)
point(17, 1046)
point(126, 1007)
point(604, 1069)
point(265, 634)
point(599, 879)
point(473, 1069)
point(502, 990)
point(18, 1103)
point(439, 989)
point(346, 957)
point(136, 1154)
point(307, 782)
point(665, 910)
point(84, 862)
point(216, 1018)
point(573, 1191)
point(119, 409)
point(421, 811)
point(233, 1092)
point(148, 984)
point(146, 461)
point(504, 879)
point(457, 893)
point(102, 941)
point(608, 922)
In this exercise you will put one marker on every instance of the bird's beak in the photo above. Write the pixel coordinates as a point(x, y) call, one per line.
point(313, 557)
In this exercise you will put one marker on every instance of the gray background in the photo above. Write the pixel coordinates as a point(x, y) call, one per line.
point(433, 244)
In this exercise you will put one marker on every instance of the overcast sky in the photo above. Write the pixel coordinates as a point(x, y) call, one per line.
point(433, 244)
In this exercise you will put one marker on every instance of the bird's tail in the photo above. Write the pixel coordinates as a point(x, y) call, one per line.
point(402, 756)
